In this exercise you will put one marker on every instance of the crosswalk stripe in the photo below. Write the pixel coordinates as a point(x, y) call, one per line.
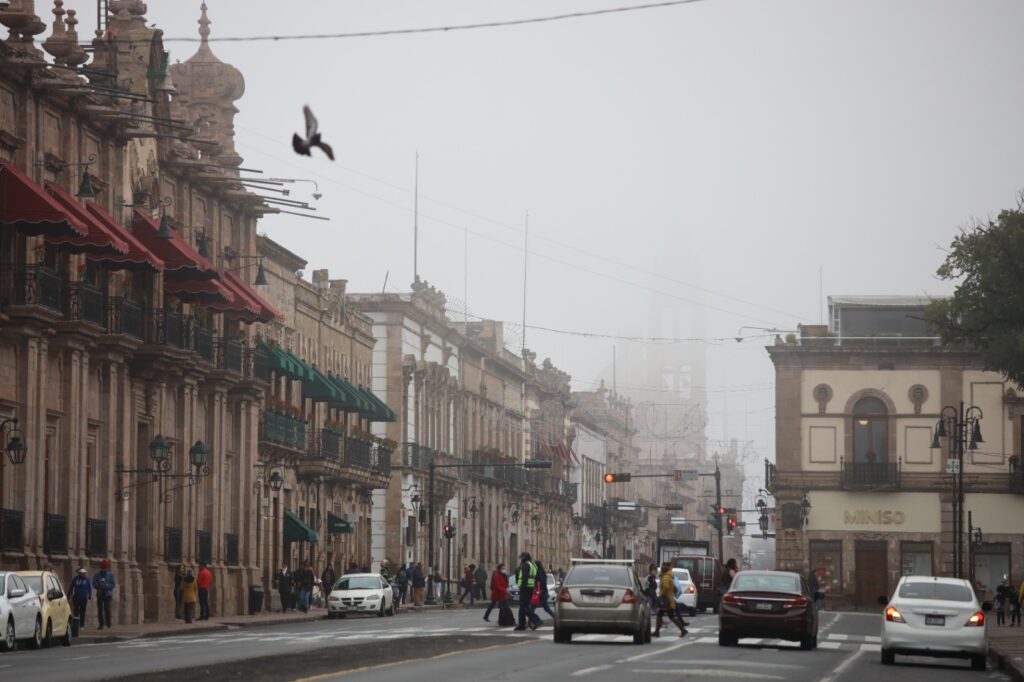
point(871, 647)
point(871, 638)
point(837, 636)
point(829, 645)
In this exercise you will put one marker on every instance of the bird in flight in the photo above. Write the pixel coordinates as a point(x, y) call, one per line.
point(312, 139)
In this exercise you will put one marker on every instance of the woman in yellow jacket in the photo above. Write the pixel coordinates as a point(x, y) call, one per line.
point(189, 595)
point(667, 600)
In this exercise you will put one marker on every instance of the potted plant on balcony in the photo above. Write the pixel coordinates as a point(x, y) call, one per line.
point(334, 426)
point(361, 435)
point(39, 252)
point(388, 444)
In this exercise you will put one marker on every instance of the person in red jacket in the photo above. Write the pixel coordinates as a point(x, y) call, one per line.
point(204, 580)
point(499, 591)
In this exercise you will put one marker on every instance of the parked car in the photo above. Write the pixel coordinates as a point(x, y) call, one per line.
point(688, 598)
point(940, 617)
point(55, 607)
point(774, 604)
point(602, 596)
point(20, 613)
point(706, 573)
point(360, 593)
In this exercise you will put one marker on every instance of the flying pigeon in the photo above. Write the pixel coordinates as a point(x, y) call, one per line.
point(303, 146)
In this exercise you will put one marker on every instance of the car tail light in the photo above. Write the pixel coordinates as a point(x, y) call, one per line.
point(629, 597)
point(893, 615)
point(564, 595)
point(690, 589)
point(730, 598)
point(977, 620)
point(794, 603)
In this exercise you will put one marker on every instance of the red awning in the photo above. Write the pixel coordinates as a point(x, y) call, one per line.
point(181, 262)
point(211, 292)
point(99, 240)
point(138, 256)
point(26, 207)
point(255, 308)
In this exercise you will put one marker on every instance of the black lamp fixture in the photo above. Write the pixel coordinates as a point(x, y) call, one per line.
point(515, 515)
point(16, 448)
point(85, 189)
point(159, 449)
point(261, 274)
point(471, 508)
point(199, 454)
point(805, 508)
point(165, 220)
point(276, 480)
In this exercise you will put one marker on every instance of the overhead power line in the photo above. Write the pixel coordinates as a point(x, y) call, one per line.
point(440, 29)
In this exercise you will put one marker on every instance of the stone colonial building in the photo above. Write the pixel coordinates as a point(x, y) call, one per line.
point(862, 497)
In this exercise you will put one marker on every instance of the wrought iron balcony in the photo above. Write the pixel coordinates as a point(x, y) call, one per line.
point(204, 343)
point(873, 475)
point(88, 304)
point(357, 453)
point(329, 444)
point(283, 430)
point(33, 285)
point(231, 351)
point(125, 316)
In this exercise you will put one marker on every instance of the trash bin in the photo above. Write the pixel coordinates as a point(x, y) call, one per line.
point(255, 599)
point(74, 626)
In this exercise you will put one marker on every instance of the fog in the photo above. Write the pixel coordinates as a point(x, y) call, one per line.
point(712, 157)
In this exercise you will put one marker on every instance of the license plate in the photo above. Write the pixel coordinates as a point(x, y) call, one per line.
point(763, 606)
point(935, 620)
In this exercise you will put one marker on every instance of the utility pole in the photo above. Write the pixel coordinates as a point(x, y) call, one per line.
point(604, 529)
point(718, 507)
point(430, 536)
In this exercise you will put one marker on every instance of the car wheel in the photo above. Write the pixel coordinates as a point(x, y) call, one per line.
point(48, 637)
point(647, 632)
point(66, 639)
point(37, 635)
point(978, 662)
point(639, 637)
point(726, 640)
point(10, 640)
point(380, 614)
point(806, 643)
point(391, 610)
point(562, 636)
point(888, 657)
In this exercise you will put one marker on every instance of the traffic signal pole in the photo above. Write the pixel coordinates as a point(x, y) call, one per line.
point(718, 509)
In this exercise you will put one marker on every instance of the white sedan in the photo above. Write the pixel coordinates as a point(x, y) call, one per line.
point(20, 613)
point(938, 617)
point(688, 598)
point(360, 593)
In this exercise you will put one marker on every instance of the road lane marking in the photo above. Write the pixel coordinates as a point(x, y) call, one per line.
point(670, 649)
point(736, 664)
point(871, 647)
point(829, 645)
point(838, 636)
point(706, 640)
point(843, 666)
point(595, 669)
point(712, 672)
point(872, 638)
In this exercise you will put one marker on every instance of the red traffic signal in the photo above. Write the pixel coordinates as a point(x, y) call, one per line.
point(617, 478)
point(721, 510)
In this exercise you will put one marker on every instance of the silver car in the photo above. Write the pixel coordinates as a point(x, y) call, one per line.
point(20, 613)
point(602, 596)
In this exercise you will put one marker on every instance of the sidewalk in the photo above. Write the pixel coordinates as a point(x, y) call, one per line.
point(121, 633)
point(1006, 650)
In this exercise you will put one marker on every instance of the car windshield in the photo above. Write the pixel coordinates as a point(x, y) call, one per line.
point(687, 564)
point(682, 574)
point(598, 575)
point(935, 590)
point(364, 583)
point(766, 583)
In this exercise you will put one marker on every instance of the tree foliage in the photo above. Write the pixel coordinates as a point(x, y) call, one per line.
point(986, 312)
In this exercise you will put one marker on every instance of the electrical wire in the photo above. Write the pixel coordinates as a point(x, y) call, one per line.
point(439, 29)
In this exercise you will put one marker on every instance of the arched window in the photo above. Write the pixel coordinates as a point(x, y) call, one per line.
point(870, 431)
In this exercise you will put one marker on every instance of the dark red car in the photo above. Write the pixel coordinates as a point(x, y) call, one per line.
point(770, 604)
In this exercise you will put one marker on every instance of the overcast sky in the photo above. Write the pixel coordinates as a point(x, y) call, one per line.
point(715, 154)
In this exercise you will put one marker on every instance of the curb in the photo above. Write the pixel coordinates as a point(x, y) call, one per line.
point(1005, 664)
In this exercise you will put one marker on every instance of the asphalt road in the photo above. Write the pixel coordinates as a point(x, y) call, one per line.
point(458, 645)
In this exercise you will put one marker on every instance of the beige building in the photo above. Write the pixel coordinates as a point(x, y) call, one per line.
point(861, 496)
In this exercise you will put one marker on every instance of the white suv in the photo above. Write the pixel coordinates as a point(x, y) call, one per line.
point(20, 613)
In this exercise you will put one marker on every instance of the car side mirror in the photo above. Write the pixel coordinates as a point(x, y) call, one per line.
point(883, 600)
point(15, 593)
point(986, 606)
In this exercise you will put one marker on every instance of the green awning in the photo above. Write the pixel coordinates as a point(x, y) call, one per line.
point(352, 400)
point(380, 412)
point(319, 388)
point(282, 362)
point(336, 524)
point(295, 530)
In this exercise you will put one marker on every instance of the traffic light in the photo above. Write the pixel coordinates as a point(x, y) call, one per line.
point(618, 478)
point(731, 524)
point(449, 530)
point(715, 520)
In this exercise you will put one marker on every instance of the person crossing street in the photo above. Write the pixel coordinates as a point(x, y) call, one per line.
point(526, 576)
point(81, 594)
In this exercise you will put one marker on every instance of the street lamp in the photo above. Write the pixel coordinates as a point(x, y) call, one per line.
point(16, 448)
point(963, 429)
point(276, 480)
point(159, 450)
point(199, 454)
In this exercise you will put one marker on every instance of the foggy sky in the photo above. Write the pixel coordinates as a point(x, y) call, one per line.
point(733, 145)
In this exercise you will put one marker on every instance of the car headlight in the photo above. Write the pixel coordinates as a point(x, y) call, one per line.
point(372, 597)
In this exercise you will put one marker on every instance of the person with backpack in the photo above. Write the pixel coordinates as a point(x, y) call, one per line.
point(419, 583)
point(189, 595)
point(104, 583)
point(81, 594)
point(667, 601)
point(542, 590)
point(402, 579)
point(499, 593)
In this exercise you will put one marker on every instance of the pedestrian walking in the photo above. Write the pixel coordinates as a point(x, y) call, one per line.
point(179, 575)
point(189, 595)
point(1015, 605)
point(1002, 601)
point(667, 601)
point(729, 572)
point(419, 582)
point(499, 592)
point(481, 582)
point(327, 580)
point(469, 584)
point(542, 587)
point(402, 580)
point(285, 586)
point(303, 583)
point(651, 588)
point(677, 585)
point(561, 576)
point(385, 570)
point(204, 581)
point(104, 583)
point(526, 576)
point(812, 583)
point(81, 594)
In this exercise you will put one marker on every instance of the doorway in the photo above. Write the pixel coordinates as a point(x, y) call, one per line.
point(871, 565)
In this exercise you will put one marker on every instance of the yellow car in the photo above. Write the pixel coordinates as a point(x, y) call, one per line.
point(54, 604)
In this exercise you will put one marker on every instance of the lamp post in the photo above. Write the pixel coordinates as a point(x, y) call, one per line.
point(963, 429)
point(472, 510)
point(528, 464)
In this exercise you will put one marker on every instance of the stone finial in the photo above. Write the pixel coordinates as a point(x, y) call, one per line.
point(77, 55)
point(58, 44)
point(204, 26)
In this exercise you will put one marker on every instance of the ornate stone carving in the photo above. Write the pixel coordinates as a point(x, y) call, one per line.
point(918, 394)
point(822, 395)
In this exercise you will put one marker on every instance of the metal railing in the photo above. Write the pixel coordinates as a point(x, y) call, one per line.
point(869, 474)
point(204, 343)
point(280, 429)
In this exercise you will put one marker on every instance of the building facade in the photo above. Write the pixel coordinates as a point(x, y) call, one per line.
point(862, 496)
